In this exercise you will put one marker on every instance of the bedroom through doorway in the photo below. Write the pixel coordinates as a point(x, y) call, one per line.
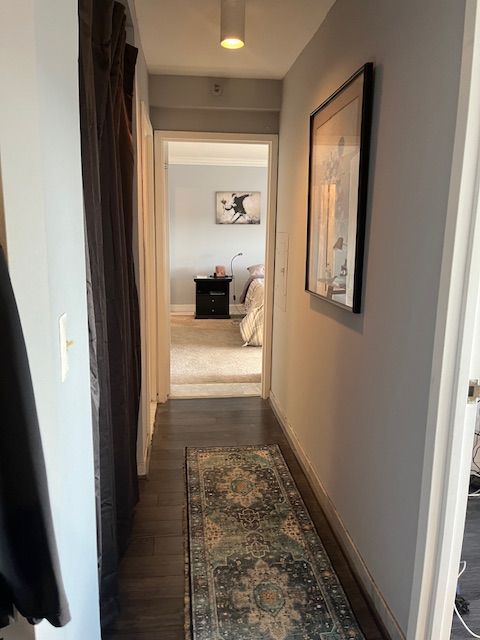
point(217, 205)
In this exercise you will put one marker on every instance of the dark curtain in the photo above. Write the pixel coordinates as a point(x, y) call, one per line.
point(30, 577)
point(107, 68)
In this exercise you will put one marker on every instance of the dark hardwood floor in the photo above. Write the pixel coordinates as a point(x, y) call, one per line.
point(469, 583)
point(152, 572)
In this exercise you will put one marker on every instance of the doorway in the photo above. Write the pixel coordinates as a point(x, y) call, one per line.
point(217, 204)
point(215, 213)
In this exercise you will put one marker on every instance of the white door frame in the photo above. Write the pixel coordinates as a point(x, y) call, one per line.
point(450, 421)
point(146, 283)
point(163, 260)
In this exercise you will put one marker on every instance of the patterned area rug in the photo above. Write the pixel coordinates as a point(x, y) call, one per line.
point(258, 570)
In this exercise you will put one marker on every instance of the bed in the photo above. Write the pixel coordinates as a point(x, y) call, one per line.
point(251, 327)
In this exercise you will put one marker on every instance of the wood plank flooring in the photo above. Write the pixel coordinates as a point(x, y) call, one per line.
point(152, 572)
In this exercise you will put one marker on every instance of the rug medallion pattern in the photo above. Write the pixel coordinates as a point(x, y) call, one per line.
point(258, 570)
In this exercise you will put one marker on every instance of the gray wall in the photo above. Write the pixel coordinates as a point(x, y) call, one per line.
point(187, 103)
point(355, 388)
point(197, 243)
point(3, 232)
point(210, 120)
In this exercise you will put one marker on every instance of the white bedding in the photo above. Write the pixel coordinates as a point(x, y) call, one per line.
point(251, 327)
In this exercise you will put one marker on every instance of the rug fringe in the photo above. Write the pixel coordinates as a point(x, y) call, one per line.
point(187, 599)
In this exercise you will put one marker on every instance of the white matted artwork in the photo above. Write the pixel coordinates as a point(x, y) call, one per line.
point(238, 207)
point(338, 180)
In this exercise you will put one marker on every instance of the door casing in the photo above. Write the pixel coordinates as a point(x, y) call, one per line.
point(456, 358)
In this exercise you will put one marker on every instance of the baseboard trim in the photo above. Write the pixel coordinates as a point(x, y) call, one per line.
point(182, 309)
point(143, 466)
point(189, 309)
point(357, 564)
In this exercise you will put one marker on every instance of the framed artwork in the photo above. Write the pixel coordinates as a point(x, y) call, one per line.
point(238, 207)
point(337, 196)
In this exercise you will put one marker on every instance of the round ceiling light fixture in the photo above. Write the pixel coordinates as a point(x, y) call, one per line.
point(232, 24)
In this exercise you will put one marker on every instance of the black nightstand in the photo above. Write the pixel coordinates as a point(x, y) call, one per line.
point(212, 298)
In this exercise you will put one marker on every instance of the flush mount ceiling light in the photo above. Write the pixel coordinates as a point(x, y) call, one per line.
point(232, 24)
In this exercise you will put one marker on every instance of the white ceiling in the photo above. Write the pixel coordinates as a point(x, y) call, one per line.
point(218, 154)
point(183, 36)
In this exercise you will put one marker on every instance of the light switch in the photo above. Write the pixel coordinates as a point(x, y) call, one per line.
point(62, 325)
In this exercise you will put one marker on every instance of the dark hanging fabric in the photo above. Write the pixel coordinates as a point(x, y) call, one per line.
point(117, 274)
point(91, 39)
point(128, 167)
point(29, 570)
point(107, 160)
point(126, 160)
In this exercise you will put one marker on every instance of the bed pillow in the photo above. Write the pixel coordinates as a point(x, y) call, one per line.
point(256, 270)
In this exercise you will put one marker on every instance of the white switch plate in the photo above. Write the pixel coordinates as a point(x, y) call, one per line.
point(62, 327)
point(281, 270)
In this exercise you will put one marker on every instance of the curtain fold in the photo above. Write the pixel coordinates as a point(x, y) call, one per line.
point(107, 162)
point(30, 577)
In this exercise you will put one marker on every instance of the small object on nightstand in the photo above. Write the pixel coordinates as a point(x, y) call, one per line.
point(219, 271)
point(212, 297)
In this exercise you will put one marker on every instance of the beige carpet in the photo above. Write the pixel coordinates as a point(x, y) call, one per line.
point(211, 352)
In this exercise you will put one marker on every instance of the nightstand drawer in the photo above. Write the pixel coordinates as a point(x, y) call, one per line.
point(212, 305)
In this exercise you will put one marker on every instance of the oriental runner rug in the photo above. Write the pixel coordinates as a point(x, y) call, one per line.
point(258, 570)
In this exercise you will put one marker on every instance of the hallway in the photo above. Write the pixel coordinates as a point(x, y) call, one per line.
point(152, 572)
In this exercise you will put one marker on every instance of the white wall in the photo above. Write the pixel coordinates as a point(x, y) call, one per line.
point(41, 173)
point(197, 243)
point(355, 388)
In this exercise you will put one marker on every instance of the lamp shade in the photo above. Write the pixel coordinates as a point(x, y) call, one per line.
point(232, 24)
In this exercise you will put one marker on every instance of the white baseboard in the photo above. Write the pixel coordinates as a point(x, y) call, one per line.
point(182, 309)
point(143, 465)
point(189, 309)
point(356, 561)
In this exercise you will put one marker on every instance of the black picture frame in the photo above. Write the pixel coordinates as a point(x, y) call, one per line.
point(339, 149)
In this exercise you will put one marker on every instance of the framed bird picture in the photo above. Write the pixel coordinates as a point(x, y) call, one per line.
point(237, 207)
